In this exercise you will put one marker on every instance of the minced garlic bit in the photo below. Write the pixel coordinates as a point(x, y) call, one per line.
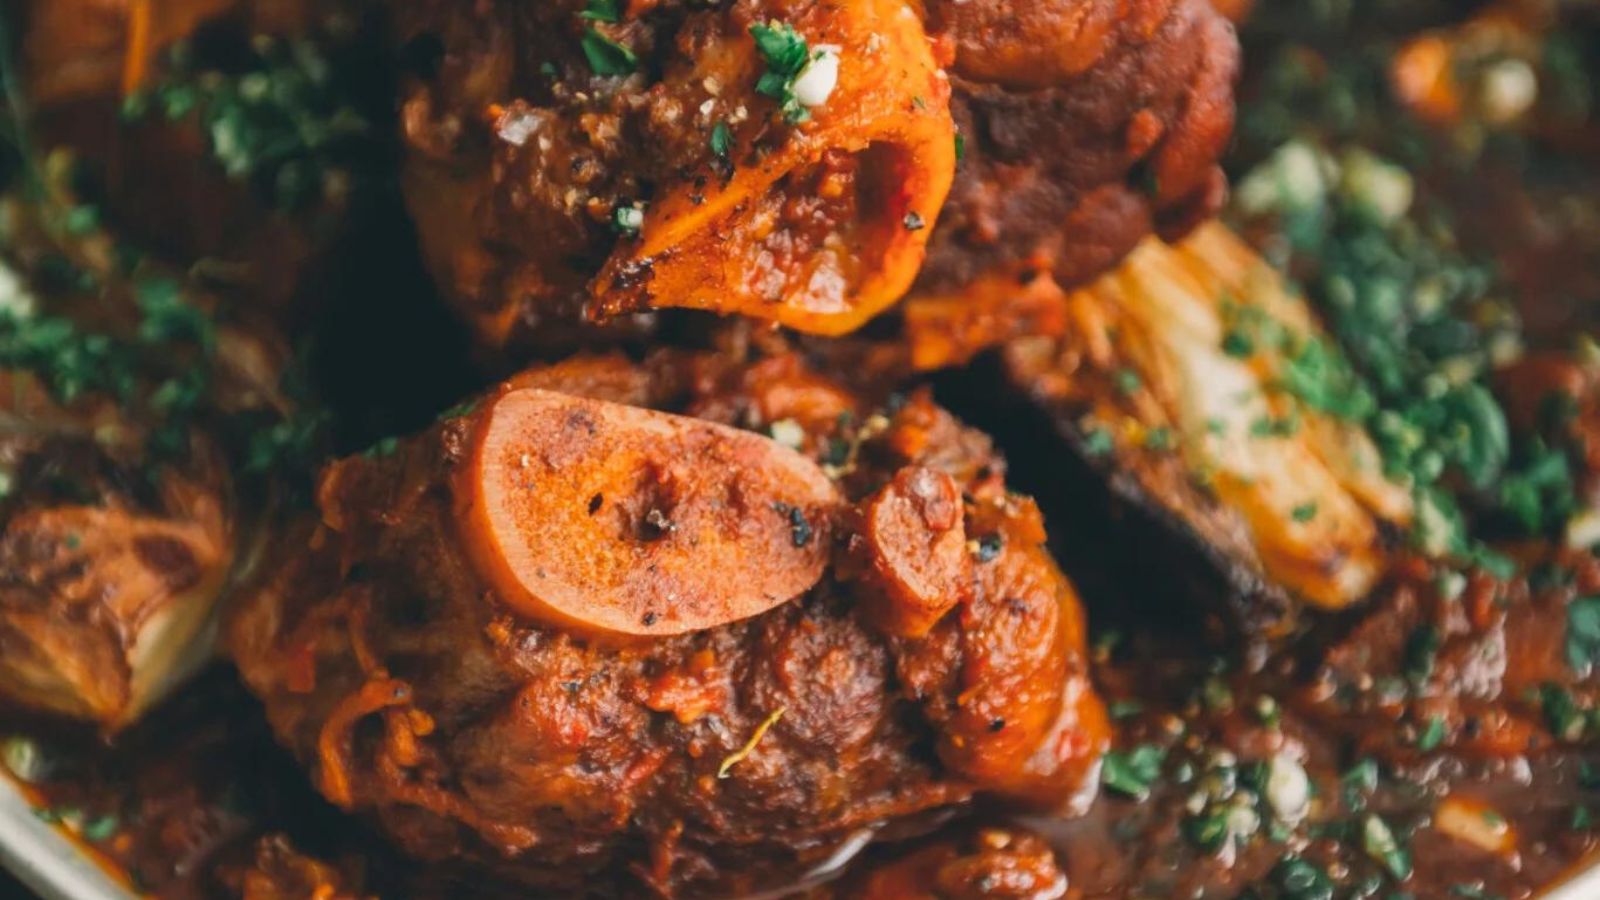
point(788, 433)
point(1288, 789)
point(628, 219)
point(815, 83)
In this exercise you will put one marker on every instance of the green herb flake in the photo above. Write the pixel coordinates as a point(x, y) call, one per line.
point(1561, 714)
point(100, 828)
point(1133, 772)
point(1098, 442)
point(1380, 843)
point(1582, 819)
point(1124, 709)
point(602, 11)
point(1432, 735)
point(721, 140)
point(23, 757)
point(169, 317)
point(1159, 439)
point(1305, 512)
point(1238, 344)
point(1583, 634)
point(1300, 880)
point(607, 57)
point(382, 447)
point(1421, 651)
point(786, 55)
point(1358, 783)
point(627, 220)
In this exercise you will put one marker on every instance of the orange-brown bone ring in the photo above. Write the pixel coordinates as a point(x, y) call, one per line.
point(829, 229)
point(611, 519)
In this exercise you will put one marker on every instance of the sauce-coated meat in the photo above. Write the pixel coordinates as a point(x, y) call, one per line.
point(732, 757)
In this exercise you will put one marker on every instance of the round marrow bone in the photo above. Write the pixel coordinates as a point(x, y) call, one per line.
point(828, 229)
point(604, 518)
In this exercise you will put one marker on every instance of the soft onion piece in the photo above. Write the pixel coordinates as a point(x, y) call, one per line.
point(107, 602)
point(1144, 361)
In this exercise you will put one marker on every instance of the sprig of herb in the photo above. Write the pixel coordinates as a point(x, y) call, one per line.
point(606, 56)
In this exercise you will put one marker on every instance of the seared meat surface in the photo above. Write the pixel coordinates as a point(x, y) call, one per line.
point(556, 160)
point(1086, 126)
point(430, 687)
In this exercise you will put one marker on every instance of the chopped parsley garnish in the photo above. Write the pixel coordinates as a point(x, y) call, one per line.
point(1539, 495)
point(961, 147)
point(786, 56)
point(627, 219)
point(1381, 844)
point(1132, 773)
point(1305, 512)
point(602, 11)
point(170, 317)
point(69, 362)
point(1582, 819)
point(1358, 782)
point(1300, 880)
point(1159, 439)
point(1422, 649)
point(1098, 442)
point(1127, 381)
point(282, 118)
point(1208, 831)
point(382, 447)
point(80, 220)
point(607, 57)
point(721, 140)
point(1432, 735)
point(1124, 709)
point(1583, 634)
point(100, 828)
point(1561, 714)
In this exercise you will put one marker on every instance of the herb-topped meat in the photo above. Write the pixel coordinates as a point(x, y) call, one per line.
point(584, 630)
point(790, 160)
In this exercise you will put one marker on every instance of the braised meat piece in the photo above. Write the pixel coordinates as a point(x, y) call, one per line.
point(787, 160)
point(1086, 124)
point(597, 628)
